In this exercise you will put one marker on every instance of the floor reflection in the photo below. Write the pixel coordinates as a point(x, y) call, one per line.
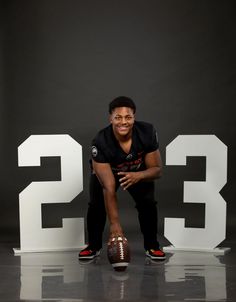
point(184, 276)
point(197, 276)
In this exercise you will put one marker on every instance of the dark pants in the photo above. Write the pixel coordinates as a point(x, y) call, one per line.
point(143, 195)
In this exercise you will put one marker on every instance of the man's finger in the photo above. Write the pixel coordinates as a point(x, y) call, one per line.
point(122, 173)
point(122, 179)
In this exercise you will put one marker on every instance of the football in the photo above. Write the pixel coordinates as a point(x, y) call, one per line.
point(118, 253)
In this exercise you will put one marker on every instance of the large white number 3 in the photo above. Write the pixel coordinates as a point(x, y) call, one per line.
point(200, 192)
point(32, 236)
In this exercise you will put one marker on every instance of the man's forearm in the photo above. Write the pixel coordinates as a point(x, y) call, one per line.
point(150, 173)
point(111, 206)
point(112, 213)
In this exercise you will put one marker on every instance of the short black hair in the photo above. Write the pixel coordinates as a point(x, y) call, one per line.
point(122, 101)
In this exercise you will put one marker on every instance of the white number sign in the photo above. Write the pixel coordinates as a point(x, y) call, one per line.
point(32, 236)
point(200, 192)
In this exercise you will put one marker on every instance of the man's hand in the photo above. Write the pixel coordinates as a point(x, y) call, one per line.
point(115, 231)
point(129, 178)
point(153, 170)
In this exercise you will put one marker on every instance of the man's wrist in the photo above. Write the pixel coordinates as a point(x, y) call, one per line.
point(142, 175)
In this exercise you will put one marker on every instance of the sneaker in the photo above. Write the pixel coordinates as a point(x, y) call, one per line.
point(89, 253)
point(156, 254)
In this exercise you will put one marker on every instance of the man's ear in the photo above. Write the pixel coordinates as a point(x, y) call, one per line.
point(110, 118)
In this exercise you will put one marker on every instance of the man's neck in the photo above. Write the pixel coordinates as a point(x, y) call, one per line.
point(123, 138)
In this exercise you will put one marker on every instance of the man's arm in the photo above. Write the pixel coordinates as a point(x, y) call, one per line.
point(153, 170)
point(104, 173)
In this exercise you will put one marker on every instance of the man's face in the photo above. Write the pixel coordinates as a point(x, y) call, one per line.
point(122, 120)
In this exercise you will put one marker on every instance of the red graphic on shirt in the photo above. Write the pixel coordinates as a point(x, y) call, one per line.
point(133, 165)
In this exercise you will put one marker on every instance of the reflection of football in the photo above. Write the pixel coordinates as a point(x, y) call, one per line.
point(118, 253)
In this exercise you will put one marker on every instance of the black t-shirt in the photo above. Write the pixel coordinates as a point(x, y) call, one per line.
point(106, 149)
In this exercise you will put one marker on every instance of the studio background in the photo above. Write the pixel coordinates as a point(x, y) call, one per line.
point(62, 62)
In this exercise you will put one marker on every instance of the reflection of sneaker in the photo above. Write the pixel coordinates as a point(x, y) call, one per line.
point(156, 254)
point(89, 253)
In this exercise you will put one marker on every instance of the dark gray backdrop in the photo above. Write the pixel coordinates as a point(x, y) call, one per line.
point(62, 62)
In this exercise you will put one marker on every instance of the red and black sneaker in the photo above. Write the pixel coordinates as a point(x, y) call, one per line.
point(156, 254)
point(89, 253)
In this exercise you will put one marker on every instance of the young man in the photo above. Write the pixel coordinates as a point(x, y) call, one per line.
point(123, 154)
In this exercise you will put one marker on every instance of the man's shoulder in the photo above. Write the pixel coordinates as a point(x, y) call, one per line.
point(143, 126)
point(102, 145)
point(146, 133)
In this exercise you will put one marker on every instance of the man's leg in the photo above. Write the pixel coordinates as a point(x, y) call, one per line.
point(96, 220)
point(143, 195)
point(96, 216)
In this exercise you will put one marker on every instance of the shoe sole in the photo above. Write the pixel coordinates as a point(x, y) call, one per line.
point(89, 257)
point(155, 257)
point(87, 261)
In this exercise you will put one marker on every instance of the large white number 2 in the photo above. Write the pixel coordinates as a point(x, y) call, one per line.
point(32, 236)
point(200, 192)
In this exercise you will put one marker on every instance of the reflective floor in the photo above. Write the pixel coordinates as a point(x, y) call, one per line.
point(183, 276)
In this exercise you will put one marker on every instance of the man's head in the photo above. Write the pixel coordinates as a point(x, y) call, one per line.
point(122, 101)
point(122, 110)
